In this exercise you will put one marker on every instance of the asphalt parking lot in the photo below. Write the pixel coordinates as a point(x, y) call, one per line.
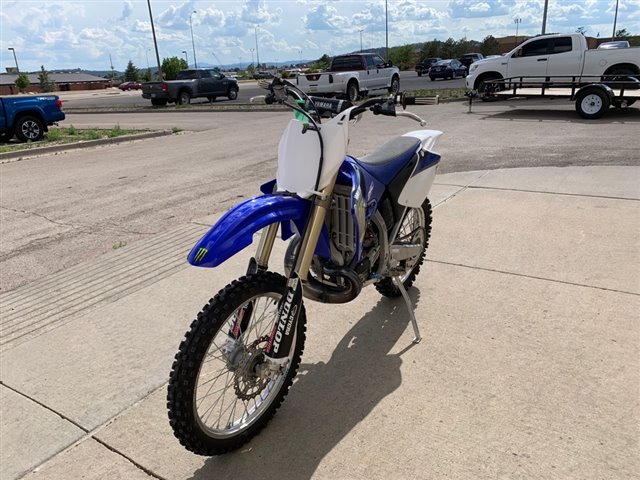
point(528, 305)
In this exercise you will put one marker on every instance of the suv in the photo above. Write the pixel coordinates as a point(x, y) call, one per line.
point(425, 65)
point(468, 58)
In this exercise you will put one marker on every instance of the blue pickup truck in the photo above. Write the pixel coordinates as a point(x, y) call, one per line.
point(28, 118)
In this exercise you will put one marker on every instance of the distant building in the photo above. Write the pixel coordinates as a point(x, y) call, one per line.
point(63, 81)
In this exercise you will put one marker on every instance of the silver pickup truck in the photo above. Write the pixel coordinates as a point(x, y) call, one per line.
point(352, 76)
point(192, 83)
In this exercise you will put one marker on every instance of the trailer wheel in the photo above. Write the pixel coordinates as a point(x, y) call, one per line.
point(592, 103)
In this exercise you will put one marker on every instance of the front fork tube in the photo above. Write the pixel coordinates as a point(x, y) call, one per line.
point(284, 328)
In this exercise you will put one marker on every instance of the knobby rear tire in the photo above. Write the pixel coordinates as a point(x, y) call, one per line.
point(213, 323)
point(386, 286)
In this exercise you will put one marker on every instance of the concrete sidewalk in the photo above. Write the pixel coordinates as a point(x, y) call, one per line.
point(529, 367)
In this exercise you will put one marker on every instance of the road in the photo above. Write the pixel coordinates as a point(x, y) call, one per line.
point(59, 210)
point(113, 97)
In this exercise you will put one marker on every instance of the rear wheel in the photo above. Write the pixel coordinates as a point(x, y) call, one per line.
point(184, 98)
point(592, 103)
point(352, 91)
point(415, 229)
point(29, 129)
point(218, 398)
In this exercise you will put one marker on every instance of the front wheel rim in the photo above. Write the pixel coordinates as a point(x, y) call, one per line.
point(591, 104)
point(236, 415)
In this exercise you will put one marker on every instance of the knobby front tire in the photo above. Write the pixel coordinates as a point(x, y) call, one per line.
point(214, 400)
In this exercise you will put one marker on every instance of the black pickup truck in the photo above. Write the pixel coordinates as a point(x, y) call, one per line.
point(192, 83)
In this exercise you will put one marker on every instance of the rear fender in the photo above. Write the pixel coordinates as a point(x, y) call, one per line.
point(235, 229)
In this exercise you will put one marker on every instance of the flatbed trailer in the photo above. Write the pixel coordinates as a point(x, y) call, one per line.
point(592, 95)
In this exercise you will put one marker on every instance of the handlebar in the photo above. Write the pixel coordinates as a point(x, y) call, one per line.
point(280, 88)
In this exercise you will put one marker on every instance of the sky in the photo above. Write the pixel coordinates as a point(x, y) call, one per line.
point(90, 34)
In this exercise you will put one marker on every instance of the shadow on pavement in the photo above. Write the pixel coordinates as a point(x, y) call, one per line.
point(326, 402)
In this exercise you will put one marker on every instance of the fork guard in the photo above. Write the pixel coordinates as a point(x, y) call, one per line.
point(235, 229)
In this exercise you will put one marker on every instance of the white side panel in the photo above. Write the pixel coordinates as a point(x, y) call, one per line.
point(417, 188)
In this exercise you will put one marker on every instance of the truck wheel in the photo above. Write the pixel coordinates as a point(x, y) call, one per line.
point(592, 103)
point(158, 102)
point(433, 79)
point(395, 85)
point(184, 98)
point(29, 128)
point(483, 88)
point(352, 91)
point(233, 93)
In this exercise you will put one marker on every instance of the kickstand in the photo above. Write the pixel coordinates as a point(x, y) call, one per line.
point(407, 301)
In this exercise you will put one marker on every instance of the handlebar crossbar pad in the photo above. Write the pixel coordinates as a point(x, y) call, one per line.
point(328, 105)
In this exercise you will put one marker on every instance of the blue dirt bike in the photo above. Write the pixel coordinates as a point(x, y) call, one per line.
point(349, 223)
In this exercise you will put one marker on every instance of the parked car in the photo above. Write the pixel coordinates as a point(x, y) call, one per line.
point(191, 83)
point(130, 86)
point(259, 75)
point(555, 57)
point(450, 68)
point(352, 76)
point(424, 66)
point(468, 58)
point(28, 117)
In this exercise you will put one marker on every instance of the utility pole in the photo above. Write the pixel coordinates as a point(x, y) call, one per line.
point(361, 30)
point(544, 17)
point(615, 20)
point(517, 21)
point(257, 52)
point(195, 61)
point(386, 29)
point(155, 42)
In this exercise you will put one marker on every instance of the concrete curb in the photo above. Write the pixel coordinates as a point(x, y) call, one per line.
point(9, 157)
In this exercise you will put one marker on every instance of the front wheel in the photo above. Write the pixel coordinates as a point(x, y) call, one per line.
point(414, 230)
point(233, 93)
point(395, 85)
point(218, 397)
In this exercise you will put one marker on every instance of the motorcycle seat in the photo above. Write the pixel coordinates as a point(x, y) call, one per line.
point(387, 161)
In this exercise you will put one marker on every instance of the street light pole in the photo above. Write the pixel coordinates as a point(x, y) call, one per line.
point(517, 21)
point(186, 55)
point(361, 30)
point(14, 58)
point(544, 16)
point(155, 42)
point(193, 44)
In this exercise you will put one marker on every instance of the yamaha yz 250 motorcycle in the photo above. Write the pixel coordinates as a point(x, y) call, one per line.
point(349, 223)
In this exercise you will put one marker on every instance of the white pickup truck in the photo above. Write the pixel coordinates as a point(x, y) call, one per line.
point(548, 57)
point(352, 76)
